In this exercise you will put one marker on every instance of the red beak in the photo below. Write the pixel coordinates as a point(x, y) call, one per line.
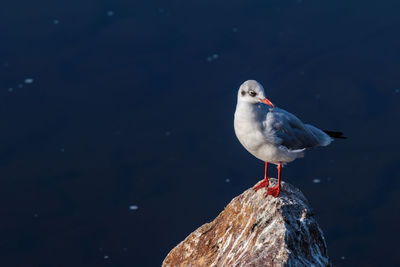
point(266, 101)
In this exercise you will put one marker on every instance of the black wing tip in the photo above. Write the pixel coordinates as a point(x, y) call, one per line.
point(335, 134)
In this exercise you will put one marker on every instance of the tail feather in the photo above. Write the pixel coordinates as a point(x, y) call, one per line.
point(335, 134)
point(322, 138)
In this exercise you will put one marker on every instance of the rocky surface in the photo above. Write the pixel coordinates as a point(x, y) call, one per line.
point(256, 230)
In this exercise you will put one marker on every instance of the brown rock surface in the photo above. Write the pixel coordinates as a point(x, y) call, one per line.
point(255, 230)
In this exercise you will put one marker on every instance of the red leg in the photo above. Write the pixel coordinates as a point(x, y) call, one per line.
point(274, 191)
point(265, 182)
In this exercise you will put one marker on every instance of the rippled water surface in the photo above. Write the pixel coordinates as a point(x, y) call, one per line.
point(117, 132)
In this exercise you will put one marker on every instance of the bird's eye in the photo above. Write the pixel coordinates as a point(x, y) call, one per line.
point(252, 93)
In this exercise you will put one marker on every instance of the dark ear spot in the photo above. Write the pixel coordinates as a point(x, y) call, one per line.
point(243, 92)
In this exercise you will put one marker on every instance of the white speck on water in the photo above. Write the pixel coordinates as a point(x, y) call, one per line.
point(110, 13)
point(234, 29)
point(56, 21)
point(227, 180)
point(20, 85)
point(62, 150)
point(316, 181)
point(106, 257)
point(133, 207)
point(342, 258)
point(10, 89)
point(397, 91)
point(213, 57)
point(28, 80)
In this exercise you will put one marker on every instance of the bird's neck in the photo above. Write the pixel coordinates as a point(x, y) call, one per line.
point(249, 112)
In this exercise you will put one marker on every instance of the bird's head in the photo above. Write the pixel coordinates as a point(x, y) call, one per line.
point(253, 92)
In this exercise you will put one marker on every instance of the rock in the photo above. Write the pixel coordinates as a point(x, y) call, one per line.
point(256, 230)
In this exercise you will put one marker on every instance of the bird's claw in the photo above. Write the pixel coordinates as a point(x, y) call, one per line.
point(264, 183)
point(273, 191)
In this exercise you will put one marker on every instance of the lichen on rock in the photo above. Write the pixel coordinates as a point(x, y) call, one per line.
point(256, 230)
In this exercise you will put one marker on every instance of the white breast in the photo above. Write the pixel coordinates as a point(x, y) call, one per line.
point(249, 130)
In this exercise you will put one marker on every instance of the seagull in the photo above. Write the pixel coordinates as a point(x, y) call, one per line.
point(271, 134)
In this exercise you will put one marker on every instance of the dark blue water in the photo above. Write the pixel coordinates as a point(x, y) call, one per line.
point(131, 106)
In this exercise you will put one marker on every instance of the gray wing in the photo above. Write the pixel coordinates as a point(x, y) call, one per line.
point(284, 128)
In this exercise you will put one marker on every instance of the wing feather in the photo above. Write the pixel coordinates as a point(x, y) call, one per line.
point(284, 128)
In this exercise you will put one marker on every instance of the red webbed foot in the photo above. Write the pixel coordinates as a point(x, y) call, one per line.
point(264, 183)
point(273, 191)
